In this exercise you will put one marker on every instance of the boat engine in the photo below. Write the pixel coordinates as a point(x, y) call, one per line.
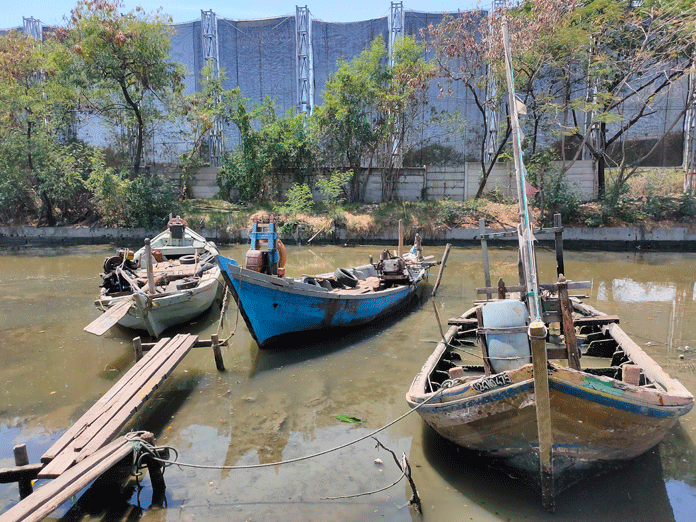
point(392, 270)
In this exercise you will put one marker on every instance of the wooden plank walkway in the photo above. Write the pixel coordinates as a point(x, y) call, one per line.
point(51, 496)
point(103, 420)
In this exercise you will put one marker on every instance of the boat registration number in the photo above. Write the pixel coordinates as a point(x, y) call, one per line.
point(490, 383)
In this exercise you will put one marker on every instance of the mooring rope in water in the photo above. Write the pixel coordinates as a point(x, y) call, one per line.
point(373, 492)
point(169, 462)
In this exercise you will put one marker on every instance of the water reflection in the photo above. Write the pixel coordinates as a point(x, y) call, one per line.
point(282, 403)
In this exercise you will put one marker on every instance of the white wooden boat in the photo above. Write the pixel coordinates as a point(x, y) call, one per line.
point(171, 280)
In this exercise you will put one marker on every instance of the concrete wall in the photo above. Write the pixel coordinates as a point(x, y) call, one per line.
point(458, 182)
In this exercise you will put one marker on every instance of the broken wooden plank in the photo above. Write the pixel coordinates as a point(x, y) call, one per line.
point(470, 322)
point(49, 497)
point(111, 317)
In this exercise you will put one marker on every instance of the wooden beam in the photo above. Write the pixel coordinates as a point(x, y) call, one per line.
point(537, 333)
point(17, 473)
point(602, 320)
point(97, 408)
point(101, 423)
point(571, 341)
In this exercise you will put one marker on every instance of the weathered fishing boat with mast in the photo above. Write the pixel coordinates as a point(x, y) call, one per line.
point(560, 386)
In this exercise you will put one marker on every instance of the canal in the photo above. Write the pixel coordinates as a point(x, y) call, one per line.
point(279, 404)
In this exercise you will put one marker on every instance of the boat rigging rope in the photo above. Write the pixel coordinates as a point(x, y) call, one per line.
point(152, 450)
point(222, 315)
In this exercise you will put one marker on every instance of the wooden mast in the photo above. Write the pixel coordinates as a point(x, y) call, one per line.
point(537, 329)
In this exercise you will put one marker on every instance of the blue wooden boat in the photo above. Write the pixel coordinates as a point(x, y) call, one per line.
point(275, 306)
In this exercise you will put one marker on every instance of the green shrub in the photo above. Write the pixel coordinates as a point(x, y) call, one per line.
point(334, 188)
point(144, 202)
point(687, 205)
point(299, 200)
point(448, 212)
point(558, 198)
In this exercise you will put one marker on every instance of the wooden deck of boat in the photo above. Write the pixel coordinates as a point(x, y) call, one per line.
point(88, 449)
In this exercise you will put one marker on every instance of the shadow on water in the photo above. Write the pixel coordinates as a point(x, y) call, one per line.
point(621, 492)
point(157, 413)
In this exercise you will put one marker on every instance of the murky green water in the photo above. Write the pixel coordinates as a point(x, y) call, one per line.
point(276, 405)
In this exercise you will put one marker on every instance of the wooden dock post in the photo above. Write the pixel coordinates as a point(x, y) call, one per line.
point(154, 467)
point(537, 334)
point(484, 254)
point(138, 348)
point(560, 269)
point(21, 458)
point(150, 270)
point(219, 363)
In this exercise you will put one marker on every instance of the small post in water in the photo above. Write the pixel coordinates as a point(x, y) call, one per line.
point(138, 348)
point(22, 459)
point(219, 364)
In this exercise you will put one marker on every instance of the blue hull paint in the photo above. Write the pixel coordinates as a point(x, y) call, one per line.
point(273, 307)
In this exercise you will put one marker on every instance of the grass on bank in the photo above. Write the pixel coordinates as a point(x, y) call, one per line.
point(652, 198)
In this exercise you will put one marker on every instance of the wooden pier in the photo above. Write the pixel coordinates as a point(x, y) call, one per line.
point(89, 447)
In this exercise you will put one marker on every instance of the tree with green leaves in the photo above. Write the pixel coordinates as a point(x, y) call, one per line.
point(371, 108)
point(41, 170)
point(271, 146)
point(122, 63)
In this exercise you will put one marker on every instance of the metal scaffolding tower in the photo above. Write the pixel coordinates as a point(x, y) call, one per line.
point(690, 139)
point(396, 27)
point(211, 54)
point(305, 62)
point(492, 107)
point(33, 28)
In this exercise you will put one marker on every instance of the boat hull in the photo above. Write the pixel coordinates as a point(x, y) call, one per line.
point(274, 307)
point(594, 419)
point(157, 314)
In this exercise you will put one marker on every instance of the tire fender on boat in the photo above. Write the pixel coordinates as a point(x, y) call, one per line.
point(188, 259)
point(346, 278)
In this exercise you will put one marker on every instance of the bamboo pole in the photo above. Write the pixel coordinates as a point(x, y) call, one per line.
point(401, 238)
point(442, 268)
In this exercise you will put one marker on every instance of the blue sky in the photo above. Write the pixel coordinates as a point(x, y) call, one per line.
point(53, 11)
